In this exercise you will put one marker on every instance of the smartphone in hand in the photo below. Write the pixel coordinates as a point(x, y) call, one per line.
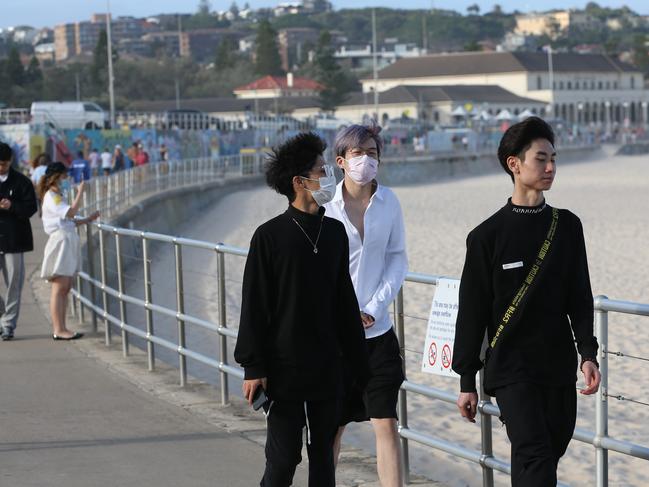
point(260, 399)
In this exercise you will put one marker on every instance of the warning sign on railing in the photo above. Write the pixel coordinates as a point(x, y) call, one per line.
point(438, 349)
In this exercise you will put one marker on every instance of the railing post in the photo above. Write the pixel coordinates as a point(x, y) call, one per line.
point(148, 297)
point(180, 306)
point(601, 406)
point(120, 288)
point(223, 342)
point(90, 255)
point(485, 435)
point(104, 294)
point(403, 399)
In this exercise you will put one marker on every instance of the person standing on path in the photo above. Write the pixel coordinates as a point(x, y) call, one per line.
point(378, 265)
point(61, 257)
point(300, 323)
point(94, 160)
point(526, 285)
point(106, 161)
point(80, 169)
point(17, 205)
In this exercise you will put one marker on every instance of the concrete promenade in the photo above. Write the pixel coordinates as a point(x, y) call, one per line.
point(67, 420)
point(78, 414)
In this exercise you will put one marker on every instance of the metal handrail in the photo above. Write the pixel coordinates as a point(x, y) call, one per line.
point(100, 290)
point(599, 439)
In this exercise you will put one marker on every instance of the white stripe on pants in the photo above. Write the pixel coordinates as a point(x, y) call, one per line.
point(12, 267)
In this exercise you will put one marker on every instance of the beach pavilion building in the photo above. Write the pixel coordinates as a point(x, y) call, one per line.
point(579, 88)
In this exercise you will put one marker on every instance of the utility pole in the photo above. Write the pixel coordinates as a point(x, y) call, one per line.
point(78, 86)
point(376, 76)
point(111, 79)
point(551, 78)
point(176, 68)
point(424, 34)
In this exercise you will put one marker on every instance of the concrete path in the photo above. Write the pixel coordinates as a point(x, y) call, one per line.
point(66, 420)
point(79, 414)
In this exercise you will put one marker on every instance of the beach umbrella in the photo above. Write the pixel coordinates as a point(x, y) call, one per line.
point(504, 115)
point(459, 112)
point(525, 114)
point(483, 115)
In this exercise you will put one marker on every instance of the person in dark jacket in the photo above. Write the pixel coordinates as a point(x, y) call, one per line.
point(300, 319)
point(17, 205)
point(526, 285)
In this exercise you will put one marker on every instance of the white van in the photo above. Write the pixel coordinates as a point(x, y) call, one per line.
point(69, 114)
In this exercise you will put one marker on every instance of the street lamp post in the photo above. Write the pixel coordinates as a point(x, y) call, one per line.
point(111, 88)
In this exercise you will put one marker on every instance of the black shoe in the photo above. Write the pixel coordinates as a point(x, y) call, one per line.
point(7, 334)
point(76, 336)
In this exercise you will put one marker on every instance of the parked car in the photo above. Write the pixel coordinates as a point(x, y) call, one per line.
point(69, 114)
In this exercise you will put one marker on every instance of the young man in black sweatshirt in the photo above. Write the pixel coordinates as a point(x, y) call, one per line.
point(300, 319)
point(525, 282)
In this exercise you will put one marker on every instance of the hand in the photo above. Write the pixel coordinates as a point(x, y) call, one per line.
point(592, 378)
point(250, 386)
point(93, 216)
point(5, 204)
point(467, 403)
point(368, 320)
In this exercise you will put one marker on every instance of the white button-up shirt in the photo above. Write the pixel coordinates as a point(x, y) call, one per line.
point(377, 263)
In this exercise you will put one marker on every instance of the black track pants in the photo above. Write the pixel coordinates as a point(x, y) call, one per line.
point(540, 421)
point(286, 428)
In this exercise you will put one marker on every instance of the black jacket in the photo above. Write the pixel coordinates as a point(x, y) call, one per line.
point(300, 321)
point(15, 229)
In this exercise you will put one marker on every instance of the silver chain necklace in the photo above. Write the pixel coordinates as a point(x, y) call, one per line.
point(315, 245)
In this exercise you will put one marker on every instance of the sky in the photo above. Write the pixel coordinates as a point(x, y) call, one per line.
point(41, 13)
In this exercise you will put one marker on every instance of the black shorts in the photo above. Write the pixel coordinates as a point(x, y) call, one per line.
point(379, 398)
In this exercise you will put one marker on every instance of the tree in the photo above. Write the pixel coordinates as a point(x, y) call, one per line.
point(99, 68)
point(226, 54)
point(15, 69)
point(204, 7)
point(472, 46)
point(328, 73)
point(473, 9)
point(267, 60)
point(641, 52)
point(234, 10)
point(497, 10)
point(34, 73)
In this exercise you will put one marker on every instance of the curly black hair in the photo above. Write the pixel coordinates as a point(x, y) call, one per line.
point(295, 157)
point(519, 137)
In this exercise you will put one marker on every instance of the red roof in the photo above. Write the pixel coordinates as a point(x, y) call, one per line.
point(280, 82)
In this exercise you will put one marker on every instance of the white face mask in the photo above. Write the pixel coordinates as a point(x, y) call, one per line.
point(327, 189)
point(362, 169)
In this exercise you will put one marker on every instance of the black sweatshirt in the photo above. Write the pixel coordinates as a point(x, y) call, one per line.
point(15, 229)
point(540, 346)
point(300, 320)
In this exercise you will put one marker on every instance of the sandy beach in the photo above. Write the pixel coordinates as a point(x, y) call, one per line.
point(610, 196)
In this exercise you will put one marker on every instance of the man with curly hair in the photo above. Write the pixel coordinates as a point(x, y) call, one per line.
point(300, 323)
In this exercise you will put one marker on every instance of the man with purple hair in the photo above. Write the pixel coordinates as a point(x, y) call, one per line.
point(378, 264)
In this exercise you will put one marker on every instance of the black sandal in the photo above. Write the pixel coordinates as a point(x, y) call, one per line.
point(76, 336)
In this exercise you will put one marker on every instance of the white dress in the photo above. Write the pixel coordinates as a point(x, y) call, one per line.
point(61, 257)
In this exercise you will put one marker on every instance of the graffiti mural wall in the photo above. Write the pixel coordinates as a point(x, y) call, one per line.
point(18, 137)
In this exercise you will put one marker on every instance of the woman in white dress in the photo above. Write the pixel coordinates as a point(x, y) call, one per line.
point(61, 258)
